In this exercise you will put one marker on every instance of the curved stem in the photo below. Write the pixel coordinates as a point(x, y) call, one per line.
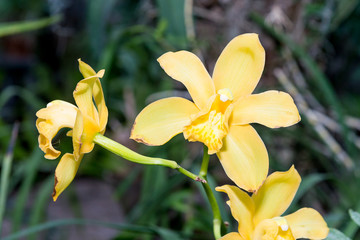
point(132, 156)
point(204, 163)
point(210, 195)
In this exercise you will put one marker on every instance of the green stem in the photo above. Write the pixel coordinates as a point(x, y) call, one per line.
point(5, 172)
point(210, 195)
point(204, 163)
point(132, 156)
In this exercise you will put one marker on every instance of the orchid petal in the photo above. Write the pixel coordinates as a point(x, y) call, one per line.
point(242, 208)
point(100, 105)
point(244, 157)
point(77, 141)
point(57, 114)
point(272, 108)
point(93, 81)
point(240, 65)
point(187, 68)
point(307, 223)
point(65, 173)
point(93, 121)
point(276, 194)
point(85, 69)
point(84, 98)
point(161, 120)
point(232, 236)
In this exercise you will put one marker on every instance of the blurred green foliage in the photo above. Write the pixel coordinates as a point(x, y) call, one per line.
point(125, 38)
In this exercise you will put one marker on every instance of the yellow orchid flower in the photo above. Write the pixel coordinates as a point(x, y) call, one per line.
point(259, 215)
point(85, 120)
point(222, 110)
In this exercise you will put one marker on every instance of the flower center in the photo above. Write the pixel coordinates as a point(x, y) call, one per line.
point(225, 95)
point(284, 232)
point(211, 125)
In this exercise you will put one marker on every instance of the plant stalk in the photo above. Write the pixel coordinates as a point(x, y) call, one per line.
point(132, 156)
point(210, 195)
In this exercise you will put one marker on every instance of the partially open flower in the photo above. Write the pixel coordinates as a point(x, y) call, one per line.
point(86, 120)
point(222, 109)
point(259, 216)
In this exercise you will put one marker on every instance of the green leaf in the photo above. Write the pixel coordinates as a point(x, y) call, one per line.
point(307, 183)
point(126, 184)
point(355, 216)
point(173, 12)
point(342, 11)
point(65, 222)
point(25, 26)
point(335, 234)
point(5, 172)
point(27, 96)
point(33, 164)
point(42, 199)
point(98, 16)
point(180, 200)
point(168, 234)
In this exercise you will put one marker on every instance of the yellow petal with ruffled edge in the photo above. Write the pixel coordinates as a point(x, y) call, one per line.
point(187, 68)
point(240, 65)
point(232, 236)
point(97, 91)
point(65, 173)
point(161, 120)
point(272, 108)
point(276, 194)
point(93, 122)
point(90, 118)
point(244, 157)
point(307, 223)
point(99, 99)
point(57, 114)
point(210, 125)
point(242, 209)
point(83, 95)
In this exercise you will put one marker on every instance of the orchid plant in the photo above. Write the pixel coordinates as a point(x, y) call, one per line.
point(219, 116)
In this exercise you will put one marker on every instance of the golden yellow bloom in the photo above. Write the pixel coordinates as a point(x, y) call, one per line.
point(85, 120)
point(259, 215)
point(222, 110)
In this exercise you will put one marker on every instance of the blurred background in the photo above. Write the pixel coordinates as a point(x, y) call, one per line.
point(312, 51)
